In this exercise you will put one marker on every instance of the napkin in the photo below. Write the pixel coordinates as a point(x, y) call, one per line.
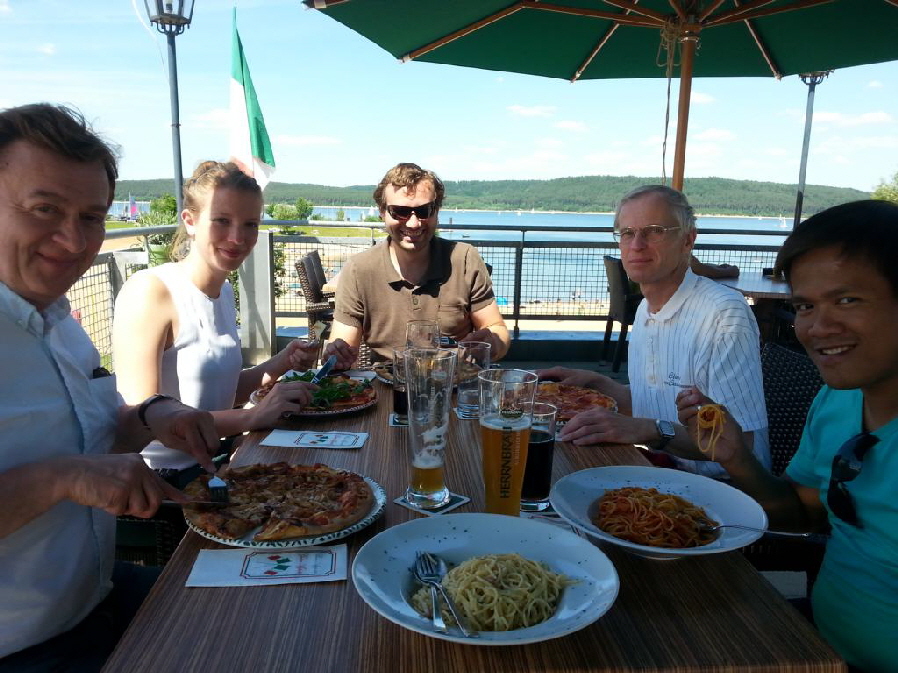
point(259, 567)
point(308, 439)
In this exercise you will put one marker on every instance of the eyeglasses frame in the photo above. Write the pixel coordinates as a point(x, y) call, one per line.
point(634, 231)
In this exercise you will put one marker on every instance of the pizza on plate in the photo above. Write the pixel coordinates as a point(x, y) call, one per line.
point(335, 393)
point(283, 501)
point(571, 400)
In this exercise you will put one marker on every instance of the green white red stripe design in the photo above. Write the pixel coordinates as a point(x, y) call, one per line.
point(249, 144)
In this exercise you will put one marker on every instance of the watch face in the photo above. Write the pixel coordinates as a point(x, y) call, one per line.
point(666, 428)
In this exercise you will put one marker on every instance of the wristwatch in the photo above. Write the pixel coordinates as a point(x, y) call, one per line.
point(142, 409)
point(666, 431)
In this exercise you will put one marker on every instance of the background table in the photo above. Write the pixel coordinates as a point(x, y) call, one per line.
point(710, 613)
point(758, 286)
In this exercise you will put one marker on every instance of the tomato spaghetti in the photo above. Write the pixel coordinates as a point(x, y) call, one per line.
point(712, 418)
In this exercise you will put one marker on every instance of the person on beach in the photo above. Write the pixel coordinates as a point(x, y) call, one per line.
point(175, 326)
point(68, 461)
point(413, 275)
point(840, 266)
point(689, 331)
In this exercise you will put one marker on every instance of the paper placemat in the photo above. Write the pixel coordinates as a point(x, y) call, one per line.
point(315, 440)
point(455, 500)
point(252, 568)
point(393, 423)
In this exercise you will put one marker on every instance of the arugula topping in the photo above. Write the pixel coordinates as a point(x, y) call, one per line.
point(330, 390)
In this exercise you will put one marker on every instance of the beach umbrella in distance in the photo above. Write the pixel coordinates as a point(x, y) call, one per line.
point(620, 39)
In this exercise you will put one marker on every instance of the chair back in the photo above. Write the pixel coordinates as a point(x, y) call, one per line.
point(791, 382)
point(624, 300)
point(311, 277)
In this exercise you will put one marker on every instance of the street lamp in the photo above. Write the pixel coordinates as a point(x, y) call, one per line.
point(171, 19)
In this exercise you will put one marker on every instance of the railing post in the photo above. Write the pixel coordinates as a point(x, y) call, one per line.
point(518, 273)
point(256, 284)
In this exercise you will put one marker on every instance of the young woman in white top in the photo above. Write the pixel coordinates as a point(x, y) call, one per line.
point(175, 330)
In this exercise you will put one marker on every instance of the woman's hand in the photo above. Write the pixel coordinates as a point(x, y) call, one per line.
point(284, 398)
point(299, 355)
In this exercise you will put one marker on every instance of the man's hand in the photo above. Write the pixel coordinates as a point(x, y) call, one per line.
point(487, 336)
point(731, 443)
point(284, 398)
point(601, 426)
point(346, 354)
point(184, 428)
point(572, 377)
point(120, 484)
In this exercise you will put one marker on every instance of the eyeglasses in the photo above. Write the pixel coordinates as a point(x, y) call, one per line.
point(403, 213)
point(846, 467)
point(653, 233)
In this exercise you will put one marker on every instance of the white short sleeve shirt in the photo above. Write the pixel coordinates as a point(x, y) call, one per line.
point(704, 336)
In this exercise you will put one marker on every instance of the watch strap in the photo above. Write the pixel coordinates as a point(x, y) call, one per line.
point(665, 438)
point(146, 404)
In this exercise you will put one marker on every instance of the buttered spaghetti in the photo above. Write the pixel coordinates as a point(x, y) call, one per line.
point(499, 592)
point(711, 418)
point(647, 517)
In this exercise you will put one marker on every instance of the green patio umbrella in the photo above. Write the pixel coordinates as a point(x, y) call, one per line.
point(618, 39)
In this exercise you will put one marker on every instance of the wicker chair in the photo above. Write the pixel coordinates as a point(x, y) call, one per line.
point(624, 302)
point(319, 304)
point(791, 382)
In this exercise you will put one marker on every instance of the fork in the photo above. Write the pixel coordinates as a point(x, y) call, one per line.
point(429, 570)
point(218, 490)
point(811, 537)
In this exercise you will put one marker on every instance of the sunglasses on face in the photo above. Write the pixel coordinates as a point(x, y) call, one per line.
point(403, 213)
point(847, 465)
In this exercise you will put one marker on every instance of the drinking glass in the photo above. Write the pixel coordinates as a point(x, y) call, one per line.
point(429, 379)
point(504, 434)
point(422, 334)
point(400, 399)
point(540, 449)
point(473, 358)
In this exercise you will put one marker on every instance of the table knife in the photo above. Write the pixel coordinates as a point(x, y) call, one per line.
point(325, 369)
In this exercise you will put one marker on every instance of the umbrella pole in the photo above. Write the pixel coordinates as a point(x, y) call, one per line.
point(687, 56)
point(812, 80)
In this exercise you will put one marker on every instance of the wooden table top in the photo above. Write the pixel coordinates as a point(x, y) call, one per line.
point(758, 286)
point(698, 614)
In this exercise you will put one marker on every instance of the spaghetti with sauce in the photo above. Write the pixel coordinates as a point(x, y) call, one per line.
point(647, 517)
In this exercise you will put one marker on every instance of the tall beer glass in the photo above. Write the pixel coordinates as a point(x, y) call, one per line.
point(422, 334)
point(429, 379)
point(504, 434)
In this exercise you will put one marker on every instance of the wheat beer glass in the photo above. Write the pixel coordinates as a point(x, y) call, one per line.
point(422, 334)
point(504, 434)
point(473, 357)
point(429, 379)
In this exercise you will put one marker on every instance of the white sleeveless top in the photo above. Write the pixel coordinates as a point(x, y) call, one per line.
point(203, 365)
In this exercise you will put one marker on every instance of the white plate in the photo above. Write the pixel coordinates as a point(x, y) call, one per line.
point(381, 570)
point(380, 501)
point(574, 496)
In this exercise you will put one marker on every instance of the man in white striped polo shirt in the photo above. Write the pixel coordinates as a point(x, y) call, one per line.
point(689, 332)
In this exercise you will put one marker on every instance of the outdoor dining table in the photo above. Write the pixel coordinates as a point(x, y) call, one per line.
point(713, 612)
point(756, 285)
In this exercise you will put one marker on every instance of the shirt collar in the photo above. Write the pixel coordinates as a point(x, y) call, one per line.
point(672, 306)
point(26, 316)
point(437, 267)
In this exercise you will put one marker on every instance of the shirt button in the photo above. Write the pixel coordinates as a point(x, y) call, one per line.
point(415, 301)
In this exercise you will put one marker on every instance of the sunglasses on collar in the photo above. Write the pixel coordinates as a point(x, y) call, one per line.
point(847, 465)
point(403, 213)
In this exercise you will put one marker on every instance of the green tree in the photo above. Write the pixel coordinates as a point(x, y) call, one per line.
point(304, 208)
point(341, 215)
point(887, 191)
point(284, 211)
point(166, 204)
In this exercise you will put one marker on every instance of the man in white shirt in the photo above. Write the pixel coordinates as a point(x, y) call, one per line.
point(689, 331)
point(68, 454)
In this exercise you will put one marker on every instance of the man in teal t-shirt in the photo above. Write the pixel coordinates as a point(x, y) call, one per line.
point(841, 268)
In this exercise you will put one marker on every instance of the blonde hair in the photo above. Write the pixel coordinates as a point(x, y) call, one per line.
point(208, 176)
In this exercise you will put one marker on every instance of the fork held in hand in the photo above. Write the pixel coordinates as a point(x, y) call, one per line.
point(218, 490)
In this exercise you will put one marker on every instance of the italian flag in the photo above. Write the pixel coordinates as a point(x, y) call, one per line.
point(250, 146)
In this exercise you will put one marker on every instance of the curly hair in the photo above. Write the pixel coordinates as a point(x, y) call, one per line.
point(408, 176)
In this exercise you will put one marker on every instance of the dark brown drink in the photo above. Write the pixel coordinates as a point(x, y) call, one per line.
point(538, 473)
point(400, 403)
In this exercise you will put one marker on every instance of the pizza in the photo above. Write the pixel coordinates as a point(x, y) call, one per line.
point(282, 501)
point(335, 393)
point(571, 400)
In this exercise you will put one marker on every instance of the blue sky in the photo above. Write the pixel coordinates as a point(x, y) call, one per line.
point(341, 111)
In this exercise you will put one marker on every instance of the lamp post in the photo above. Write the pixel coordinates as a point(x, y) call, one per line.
point(171, 19)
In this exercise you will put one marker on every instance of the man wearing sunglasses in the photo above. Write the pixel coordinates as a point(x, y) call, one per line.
point(413, 275)
point(841, 267)
point(689, 331)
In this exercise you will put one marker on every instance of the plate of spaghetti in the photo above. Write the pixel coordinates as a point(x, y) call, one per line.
point(517, 580)
point(657, 512)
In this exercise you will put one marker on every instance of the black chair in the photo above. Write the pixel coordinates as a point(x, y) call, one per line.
point(624, 301)
point(319, 304)
point(149, 542)
point(791, 382)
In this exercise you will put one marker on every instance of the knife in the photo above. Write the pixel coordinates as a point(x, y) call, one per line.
point(325, 369)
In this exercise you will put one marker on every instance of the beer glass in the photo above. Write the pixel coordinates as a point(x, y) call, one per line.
point(429, 379)
point(400, 399)
point(473, 357)
point(504, 434)
point(540, 449)
point(422, 334)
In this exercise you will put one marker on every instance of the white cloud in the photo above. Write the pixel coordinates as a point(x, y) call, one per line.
point(874, 84)
point(4, 7)
point(306, 141)
point(549, 142)
point(715, 135)
point(699, 98)
point(532, 110)
point(48, 49)
point(863, 119)
point(217, 119)
point(570, 125)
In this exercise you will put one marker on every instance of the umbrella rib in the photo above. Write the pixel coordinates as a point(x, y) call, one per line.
point(470, 28)
point(594, 53)
point(709, 10)
point(757, 9)
point(596, 14)
point(633, 7)
point(763, 49)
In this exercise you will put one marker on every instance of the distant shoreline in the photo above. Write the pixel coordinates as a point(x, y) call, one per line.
point(567, 212)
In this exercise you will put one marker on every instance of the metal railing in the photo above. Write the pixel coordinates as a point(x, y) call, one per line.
point(533, 279)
